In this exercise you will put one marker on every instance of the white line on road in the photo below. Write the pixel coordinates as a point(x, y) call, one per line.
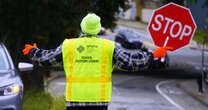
point(166, 96)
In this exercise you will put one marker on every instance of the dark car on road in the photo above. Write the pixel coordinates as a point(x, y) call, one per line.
point(11, 86)
point(130, 40)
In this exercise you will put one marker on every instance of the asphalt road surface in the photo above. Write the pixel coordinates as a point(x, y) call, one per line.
point(137, 90)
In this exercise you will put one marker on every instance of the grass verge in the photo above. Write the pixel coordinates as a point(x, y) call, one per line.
point(34, 100)
point(200, 36)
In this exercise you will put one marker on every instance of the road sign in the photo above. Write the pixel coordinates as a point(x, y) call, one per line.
point(172, 25)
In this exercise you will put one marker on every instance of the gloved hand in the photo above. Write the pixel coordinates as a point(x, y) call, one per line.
point(28, 47)
point(161, 52)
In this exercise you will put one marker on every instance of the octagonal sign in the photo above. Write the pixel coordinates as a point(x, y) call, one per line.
point(172, 25)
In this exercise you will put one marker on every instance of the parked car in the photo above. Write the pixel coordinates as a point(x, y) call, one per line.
point(11, 86)
point(131, 41)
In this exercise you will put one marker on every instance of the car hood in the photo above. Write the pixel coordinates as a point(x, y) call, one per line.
point(7, 78)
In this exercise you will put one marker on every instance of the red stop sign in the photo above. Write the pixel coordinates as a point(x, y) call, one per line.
point(172, 25)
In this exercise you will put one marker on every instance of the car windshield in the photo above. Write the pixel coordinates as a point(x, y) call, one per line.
point(131, 35)
point(3, 61)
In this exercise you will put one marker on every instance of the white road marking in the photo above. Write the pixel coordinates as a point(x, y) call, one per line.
point(166, 96)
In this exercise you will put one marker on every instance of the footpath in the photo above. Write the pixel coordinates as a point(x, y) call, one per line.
point(133, 24)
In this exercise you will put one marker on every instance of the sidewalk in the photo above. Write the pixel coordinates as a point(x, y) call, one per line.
point(133, 24)
point(191, 87)
point(183, 94)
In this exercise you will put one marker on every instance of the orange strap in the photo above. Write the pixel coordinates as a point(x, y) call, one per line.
point(89, 79)
point(71, 57)
point(103, 71)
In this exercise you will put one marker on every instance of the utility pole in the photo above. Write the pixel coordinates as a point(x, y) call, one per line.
point(204, 75)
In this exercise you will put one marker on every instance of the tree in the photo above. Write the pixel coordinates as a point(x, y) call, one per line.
point(179, 2)
point(205, 3)
point(48, 23)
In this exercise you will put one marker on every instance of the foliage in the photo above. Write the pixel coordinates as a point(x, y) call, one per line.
point(49, 22)
point(193, 1)
point(44, 21)
point(204, 5)
point(34, 100)
point(200, 36)
point(58, 104)
point(179, 2)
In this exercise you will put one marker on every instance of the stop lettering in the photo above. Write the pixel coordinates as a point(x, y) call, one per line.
point(172, 25)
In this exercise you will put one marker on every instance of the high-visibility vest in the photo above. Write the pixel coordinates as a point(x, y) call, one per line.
point(88, 68)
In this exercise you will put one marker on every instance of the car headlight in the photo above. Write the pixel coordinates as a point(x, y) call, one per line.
point(12, 89)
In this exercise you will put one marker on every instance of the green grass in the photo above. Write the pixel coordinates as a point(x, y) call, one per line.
point(200, 36)
point(42, 101)
point(58, 104)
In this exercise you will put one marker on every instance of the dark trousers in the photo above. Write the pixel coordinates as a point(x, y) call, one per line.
point(88, 108)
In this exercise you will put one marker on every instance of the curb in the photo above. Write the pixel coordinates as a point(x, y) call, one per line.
point(133, 24)
point(203, 98)
point(189, 87)
point(166, 96)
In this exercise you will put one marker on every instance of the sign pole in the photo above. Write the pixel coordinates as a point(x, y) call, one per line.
point(203, 80)
point(202, 75)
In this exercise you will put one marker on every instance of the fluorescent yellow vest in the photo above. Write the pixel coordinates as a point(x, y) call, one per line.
point(88, 67)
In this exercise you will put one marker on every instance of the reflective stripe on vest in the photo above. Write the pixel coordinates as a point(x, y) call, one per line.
point(88, 67)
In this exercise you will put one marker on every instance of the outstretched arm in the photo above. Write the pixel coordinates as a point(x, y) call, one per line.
point(131, 60)
point(46, 57)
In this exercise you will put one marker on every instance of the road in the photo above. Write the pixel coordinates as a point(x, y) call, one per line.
point(138, 90)
point(150, 90)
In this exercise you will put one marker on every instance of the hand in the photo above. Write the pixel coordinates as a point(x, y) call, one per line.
point(161, 52)
point(28, 47)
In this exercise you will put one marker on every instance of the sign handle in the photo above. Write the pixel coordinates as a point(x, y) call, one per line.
point(166, 41)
